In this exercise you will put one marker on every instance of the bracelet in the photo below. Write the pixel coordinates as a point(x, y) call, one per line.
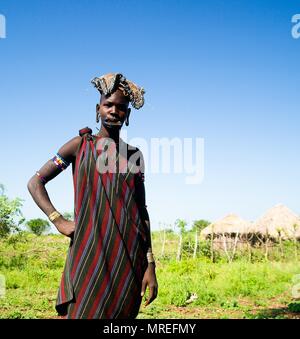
point(53, 216)
point(150, 257)
point(60, 162)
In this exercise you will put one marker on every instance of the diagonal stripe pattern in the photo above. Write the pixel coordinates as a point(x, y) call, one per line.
point(106, 259)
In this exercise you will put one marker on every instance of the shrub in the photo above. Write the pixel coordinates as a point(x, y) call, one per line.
point(10, 214)
point(38, 226)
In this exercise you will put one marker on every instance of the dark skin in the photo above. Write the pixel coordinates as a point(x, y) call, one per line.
point(112, 111)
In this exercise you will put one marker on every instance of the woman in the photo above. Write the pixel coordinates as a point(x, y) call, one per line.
point(109, 262)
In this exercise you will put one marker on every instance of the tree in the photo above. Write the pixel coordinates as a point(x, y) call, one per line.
point(181, 225)
point(38, 226)
point(199, 225)
point(68, 216)
point(11, 216)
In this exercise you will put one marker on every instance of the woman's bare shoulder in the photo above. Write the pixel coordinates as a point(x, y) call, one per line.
point(69, 149)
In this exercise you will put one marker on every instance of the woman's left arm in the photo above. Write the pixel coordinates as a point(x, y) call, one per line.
point(150, 274)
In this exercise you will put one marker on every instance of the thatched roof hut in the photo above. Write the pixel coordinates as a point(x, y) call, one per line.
point(230, 225)
point(278, 221)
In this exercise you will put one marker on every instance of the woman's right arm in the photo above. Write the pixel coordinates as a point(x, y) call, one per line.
point(37, 189)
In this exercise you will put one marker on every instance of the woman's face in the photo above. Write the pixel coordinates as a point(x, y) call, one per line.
point(113, 109)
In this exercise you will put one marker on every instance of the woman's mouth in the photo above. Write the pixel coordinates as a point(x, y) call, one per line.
point(113, 121)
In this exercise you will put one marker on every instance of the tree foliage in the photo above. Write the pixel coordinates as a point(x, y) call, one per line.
point(181, 225)
point(38, 226)
point(199, 225)
point(11, 216)
point(68, 216)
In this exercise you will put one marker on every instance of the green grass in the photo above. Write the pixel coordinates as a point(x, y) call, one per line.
point(32, 267)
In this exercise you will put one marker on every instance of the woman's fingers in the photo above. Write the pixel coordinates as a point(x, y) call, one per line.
point(144, 285)
point(152, 295)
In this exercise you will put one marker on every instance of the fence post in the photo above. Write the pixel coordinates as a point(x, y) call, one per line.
point(212, 258)
point(178, 258)
point(163, 243)
point(196, 245)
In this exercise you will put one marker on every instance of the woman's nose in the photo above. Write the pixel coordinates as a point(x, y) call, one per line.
point(114, 113)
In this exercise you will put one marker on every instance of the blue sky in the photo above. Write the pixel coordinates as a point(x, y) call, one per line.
point(224, 71)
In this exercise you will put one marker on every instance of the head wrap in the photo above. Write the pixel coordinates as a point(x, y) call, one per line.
point(109, 83)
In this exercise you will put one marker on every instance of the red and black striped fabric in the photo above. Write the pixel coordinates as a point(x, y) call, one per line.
point(106, 259)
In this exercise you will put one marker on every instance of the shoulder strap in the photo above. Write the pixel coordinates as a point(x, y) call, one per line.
point(85, 133)
point(85, 130)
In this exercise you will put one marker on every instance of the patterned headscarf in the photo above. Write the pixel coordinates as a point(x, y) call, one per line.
point(109, 83)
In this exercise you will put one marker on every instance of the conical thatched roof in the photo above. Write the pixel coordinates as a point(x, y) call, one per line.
point(230, 224)
point(279, 219)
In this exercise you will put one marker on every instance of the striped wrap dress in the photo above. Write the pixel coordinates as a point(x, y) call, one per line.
point(106, 259)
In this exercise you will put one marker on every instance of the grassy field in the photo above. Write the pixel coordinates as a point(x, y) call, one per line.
point(32, 268)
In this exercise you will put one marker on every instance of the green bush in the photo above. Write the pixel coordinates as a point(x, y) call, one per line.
point(11, 217)
point(294, 307)
point(38, 226)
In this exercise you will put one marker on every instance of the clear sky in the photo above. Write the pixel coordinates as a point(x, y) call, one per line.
point(224, 71)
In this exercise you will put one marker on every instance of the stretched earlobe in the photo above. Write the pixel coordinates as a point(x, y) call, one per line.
point(97, 113)
point(127, 117)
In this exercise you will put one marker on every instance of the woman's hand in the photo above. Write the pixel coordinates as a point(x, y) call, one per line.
point(64, 226)
point(150, 281)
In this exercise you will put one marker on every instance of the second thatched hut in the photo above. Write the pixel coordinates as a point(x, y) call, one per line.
point(278, 222)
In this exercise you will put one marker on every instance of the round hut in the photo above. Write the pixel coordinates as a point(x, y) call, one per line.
point(229, 232)
point(278, 222)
